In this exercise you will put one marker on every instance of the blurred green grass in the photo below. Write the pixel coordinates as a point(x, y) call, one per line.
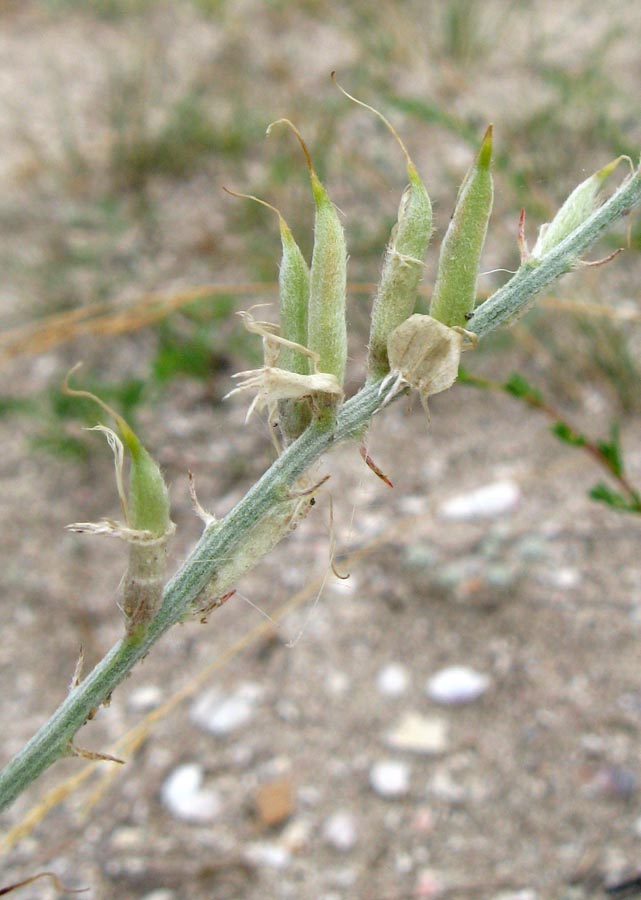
point(121, 193)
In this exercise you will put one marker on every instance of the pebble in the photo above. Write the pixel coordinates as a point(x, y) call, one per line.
point(457, 685)
point(161, 894)
point(636, 827)
point(339, 830)
point(274, 802)
point(186, 799)
point(390, 778)
point(274, 856)
point(564, 578)
point(126, 838)
point(419, 734)
point(296, 835)
point(145, 697)
point(223, 714)
point(393, 680)
point(484, 502)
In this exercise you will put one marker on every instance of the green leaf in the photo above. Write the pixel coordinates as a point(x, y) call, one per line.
point(518, 386)
point(604, 494)
point(611, 451)
point(568, 435)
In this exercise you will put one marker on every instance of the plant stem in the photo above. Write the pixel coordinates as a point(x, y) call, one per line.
point(519, 293)
point(225, 539)
point(228, 539)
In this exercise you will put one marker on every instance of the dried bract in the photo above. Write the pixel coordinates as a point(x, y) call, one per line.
point(424, 355)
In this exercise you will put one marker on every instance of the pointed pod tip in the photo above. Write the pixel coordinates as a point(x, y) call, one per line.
point(609, 168)
point(320, 194)
point(485, 153)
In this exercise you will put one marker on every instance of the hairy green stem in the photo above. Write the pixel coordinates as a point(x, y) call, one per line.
point(519, 293)
point(228, 538)
point(218, 543)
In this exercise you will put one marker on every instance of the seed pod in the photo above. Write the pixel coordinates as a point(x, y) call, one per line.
point(404, 260)
point(454, 293)
point(293, 280)
point(293, 283)
point(581, 203)
point(327, 330)
point(147, 525)
point(403, 268)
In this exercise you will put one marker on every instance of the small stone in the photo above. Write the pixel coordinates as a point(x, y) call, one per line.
point(563, 578)
point(127, 838)
point(636, 827)
point(297, 835)
point(419, 734)
point(339, 830)
point(273, 856)
point(274, 802)
point(336, 683)
point(393, 680)
point(162, 894)
point(145, 697)
point(221, 715)
point(484, 502)
point(390, 778)
point(457, 685)
point(186, 799)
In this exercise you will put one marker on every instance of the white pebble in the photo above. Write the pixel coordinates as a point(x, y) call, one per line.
point(221, 715)
point(456, 684)
point(185, 798)
point(390, 778)
point(296, 835)
point(487, 501)
point(271, 855)
point(419, 734)
point(145, 697)
point(393, 680)
point(564, 578)
point(339, 830)
point(161, 894)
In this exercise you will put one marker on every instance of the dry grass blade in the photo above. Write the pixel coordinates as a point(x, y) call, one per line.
point(109, 318)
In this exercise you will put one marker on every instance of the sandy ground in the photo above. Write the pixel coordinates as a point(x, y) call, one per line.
point(529, 791)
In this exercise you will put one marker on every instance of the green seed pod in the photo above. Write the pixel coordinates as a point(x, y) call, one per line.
point(293, 280)
point(327, 329)
point(455, 289)
point(147, 525)
point(404, 258)
point(293, 283)
point(402, 271)
point(581, 203)
point(327, 333)
point(148, 495)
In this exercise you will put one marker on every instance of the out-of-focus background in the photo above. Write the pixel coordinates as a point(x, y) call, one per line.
point(317, 757)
